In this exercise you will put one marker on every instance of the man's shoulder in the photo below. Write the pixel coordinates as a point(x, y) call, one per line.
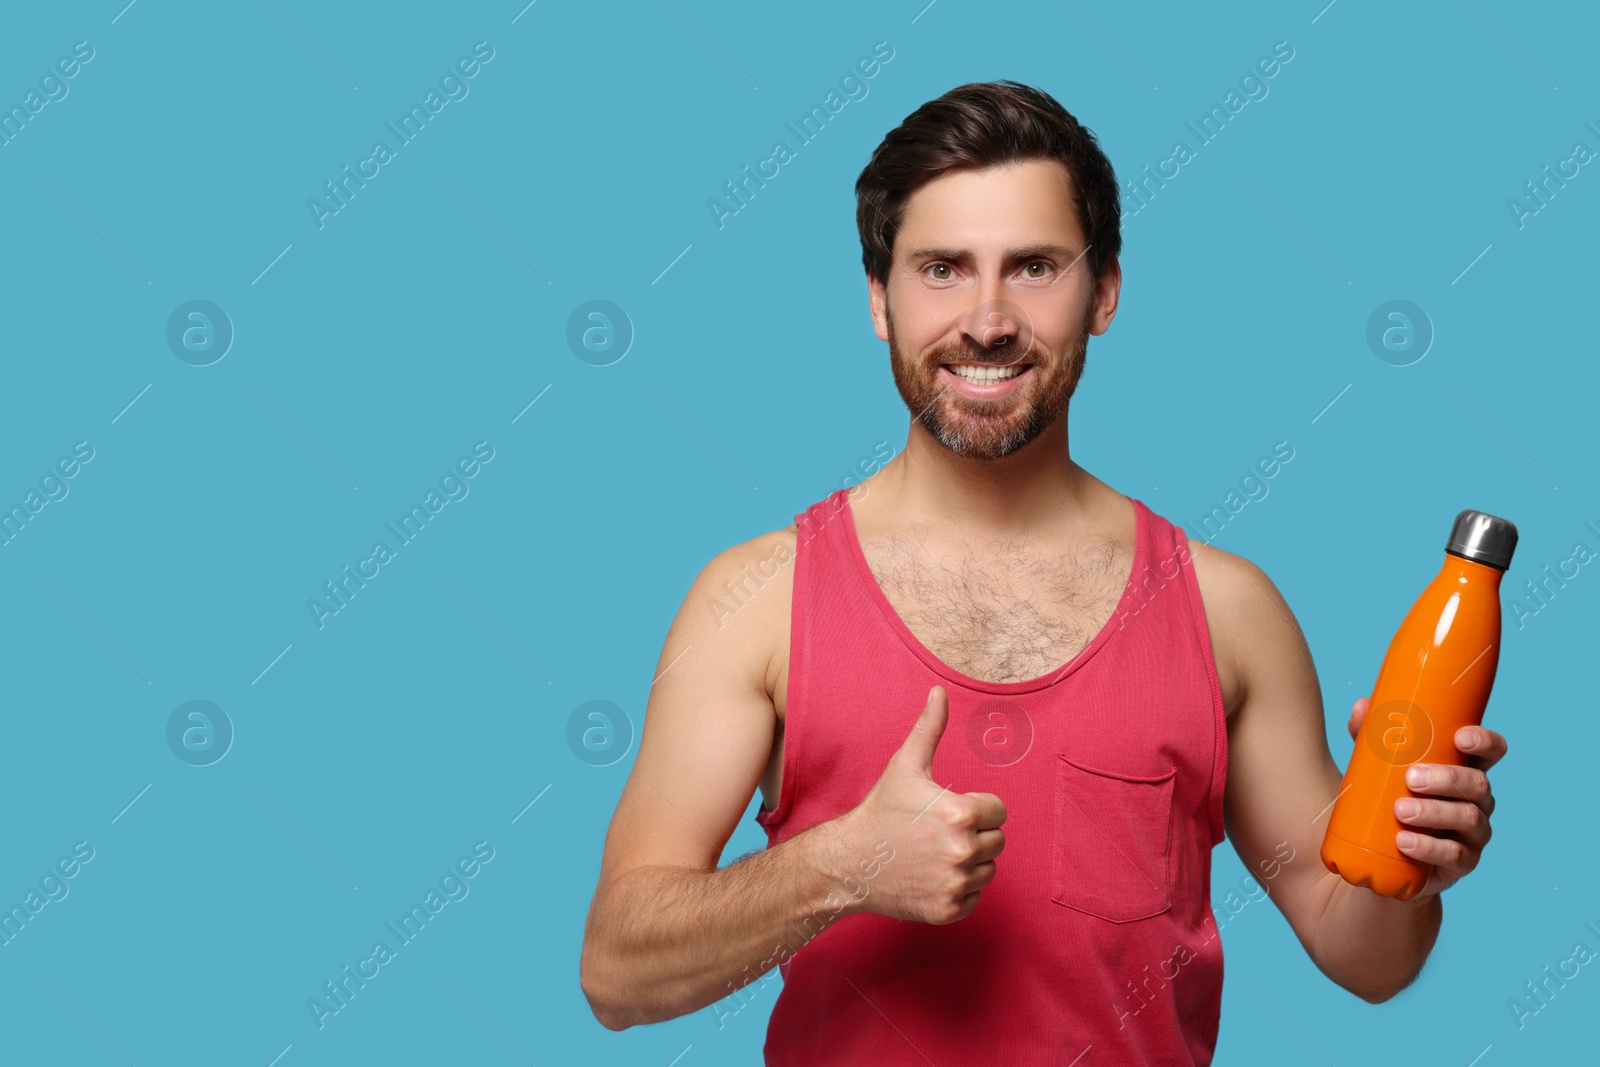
point(776, 548)
point(1243, 609)
point(1220, 572)
point(746, 555)
point(741, 599)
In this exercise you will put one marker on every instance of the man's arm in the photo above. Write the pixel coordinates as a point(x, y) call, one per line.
point(668, 932)
point(1282, 782)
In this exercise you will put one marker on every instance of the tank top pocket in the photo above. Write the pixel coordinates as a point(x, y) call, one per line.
point(1113, 839)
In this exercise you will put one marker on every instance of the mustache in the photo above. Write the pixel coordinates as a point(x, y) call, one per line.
point(982, 357)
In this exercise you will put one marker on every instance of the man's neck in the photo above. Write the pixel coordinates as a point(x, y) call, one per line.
point(1033, 488)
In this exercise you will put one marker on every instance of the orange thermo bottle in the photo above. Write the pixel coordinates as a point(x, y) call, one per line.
point(1434, 680)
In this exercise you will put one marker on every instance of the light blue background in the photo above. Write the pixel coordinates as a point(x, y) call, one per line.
point(432, 310)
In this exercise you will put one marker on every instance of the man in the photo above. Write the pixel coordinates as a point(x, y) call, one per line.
point(986, 634)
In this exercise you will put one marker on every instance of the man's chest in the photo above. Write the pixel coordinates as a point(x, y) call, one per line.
point(1002, 615)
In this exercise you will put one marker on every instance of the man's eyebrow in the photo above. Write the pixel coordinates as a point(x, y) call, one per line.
point(959, 255)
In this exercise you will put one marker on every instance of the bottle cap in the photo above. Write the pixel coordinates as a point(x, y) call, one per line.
point(1482, 537)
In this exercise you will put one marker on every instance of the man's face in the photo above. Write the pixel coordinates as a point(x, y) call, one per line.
point(989, 281)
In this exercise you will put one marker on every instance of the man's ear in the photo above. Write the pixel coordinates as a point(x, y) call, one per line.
point(1107, 291)
point(878, 299)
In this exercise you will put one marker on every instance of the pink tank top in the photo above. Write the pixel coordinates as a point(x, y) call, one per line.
point(1095, 939)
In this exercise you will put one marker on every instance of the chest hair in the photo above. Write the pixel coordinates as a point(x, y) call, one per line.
point(1006, 611)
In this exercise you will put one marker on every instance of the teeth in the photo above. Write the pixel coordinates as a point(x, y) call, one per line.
point(979, 375)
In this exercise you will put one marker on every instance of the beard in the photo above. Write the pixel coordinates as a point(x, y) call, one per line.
point(988, 429)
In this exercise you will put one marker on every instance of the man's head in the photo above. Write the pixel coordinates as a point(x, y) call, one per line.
point(990, 230)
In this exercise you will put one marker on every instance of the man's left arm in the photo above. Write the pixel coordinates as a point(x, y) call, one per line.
point(1282, 782)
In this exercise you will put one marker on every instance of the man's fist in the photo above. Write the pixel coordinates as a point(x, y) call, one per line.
point(944, 843)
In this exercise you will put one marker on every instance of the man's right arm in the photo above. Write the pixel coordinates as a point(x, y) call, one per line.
point(667, 931)
point(678, 938)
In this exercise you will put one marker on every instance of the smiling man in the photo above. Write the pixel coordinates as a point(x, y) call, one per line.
point(990, 650)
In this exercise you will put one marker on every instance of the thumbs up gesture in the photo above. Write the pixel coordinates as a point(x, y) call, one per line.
point(944, 843)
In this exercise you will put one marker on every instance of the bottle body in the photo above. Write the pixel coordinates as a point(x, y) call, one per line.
point(1435, 679)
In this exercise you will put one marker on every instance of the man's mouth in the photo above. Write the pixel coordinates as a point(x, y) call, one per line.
point(985, 374)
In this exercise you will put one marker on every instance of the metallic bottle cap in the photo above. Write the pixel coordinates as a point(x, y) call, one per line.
point(1482, 537)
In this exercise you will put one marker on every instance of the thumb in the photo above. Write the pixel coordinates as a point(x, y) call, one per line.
point(916, 754)
point(1358, 714)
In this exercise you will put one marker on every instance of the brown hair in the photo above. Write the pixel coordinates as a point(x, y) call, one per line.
point(977, 125)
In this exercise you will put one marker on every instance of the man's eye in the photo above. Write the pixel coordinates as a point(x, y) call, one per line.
point(1041, 264)
point(938, 267)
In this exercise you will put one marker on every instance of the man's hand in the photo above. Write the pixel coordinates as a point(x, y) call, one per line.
point(944, 843)
point(1461, 813)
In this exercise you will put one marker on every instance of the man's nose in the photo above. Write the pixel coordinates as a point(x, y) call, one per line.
point(996, 321)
